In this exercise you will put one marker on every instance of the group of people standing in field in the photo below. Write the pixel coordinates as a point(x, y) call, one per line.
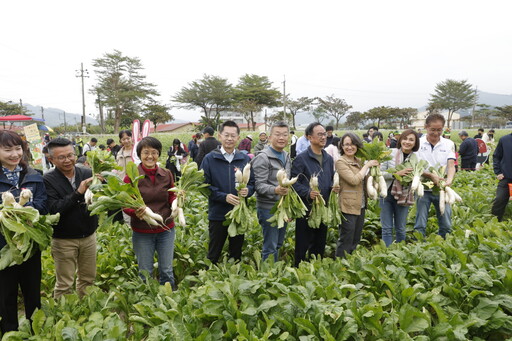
point(319, 152)
point(315, 159)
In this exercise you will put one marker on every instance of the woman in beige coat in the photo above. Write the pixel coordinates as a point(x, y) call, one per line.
point(352, 193)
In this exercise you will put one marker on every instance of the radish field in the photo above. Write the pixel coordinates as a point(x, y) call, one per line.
point(425, 289)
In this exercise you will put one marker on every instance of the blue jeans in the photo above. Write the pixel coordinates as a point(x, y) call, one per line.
point(273, 237)
point(392, 216)
point(422, 208)
point(145, 245)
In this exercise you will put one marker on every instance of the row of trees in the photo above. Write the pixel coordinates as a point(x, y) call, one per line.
point(123, 94)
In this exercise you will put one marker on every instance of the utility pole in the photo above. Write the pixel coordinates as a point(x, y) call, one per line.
point(83, 74)
point(473, 112)
point(284, 96)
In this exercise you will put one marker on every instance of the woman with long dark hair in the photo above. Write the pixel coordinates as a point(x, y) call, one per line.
point(395, 206)
point(177, 156)
point(15, 175)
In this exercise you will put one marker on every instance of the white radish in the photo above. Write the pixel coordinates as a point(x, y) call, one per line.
point(25, 196)
point(313, 182)
point(449, 197)
point(421, 190)
point(415, 183)
point(246, 173)
point(456, 197)
point(152, 218)
point(8, 199)
point(281, 176)
point(292, 181)
point(335, 180)
point(370, 189)
point(441, 201)
point(382, 187)
point(238, 176)
point(88, 196)
point(174, 207)
point(181, 217)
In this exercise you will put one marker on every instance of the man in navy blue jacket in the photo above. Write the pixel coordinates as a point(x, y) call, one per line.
point(314, 161)
point(219, 170)
point(502, 162)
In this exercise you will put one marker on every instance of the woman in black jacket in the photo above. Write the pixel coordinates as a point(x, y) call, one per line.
point(15, 175)
point(176, 157)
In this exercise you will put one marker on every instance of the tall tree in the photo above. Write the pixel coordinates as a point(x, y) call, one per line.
point(122, 87)
point(452, 95)
point(319, 114)
point(334, 107)
point(212, 94)
point(403, 115)
point(10, 108)
point(378, 114)
point(247, 107)
point(354, 120)
point(505, 112)
point(258, 91)
point(299, 104)
point(157, 113)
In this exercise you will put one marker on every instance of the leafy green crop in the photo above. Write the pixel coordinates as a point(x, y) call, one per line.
point(430, 289)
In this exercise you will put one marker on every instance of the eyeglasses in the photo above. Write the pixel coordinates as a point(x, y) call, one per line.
point(61, 158)
point(152, 153)
point(227, 136)
point(321, 134)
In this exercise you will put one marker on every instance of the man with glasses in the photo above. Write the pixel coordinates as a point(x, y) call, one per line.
point(314, 161)
point(219, 168)
point(437, 151)
point(74, 237)
point(265, 166)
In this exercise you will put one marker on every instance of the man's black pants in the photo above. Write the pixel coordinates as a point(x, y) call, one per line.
point(502, 197)
point(309, 240)
point(218, 234)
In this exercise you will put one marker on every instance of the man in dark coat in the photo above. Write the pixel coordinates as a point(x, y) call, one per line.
point(210, 143)
point(468, 151)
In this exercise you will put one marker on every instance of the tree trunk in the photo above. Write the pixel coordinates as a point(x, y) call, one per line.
point(293, 120)
point(252, 121)
point(117, 119)
point(337, 123)
point(449, 118)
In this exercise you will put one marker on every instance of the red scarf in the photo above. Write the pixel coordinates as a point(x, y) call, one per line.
point(151, 172)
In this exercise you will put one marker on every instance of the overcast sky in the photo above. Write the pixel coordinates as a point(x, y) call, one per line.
point(370, 53)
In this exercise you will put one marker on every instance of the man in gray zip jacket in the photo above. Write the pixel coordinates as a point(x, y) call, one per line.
point(265, 167)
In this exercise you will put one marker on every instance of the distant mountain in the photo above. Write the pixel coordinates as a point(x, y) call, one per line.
point(494, 100)
point(55, 117)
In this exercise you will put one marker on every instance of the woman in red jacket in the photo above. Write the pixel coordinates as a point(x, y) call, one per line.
point(154, 189)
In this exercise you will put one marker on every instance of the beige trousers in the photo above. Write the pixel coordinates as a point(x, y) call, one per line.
point(74, 256)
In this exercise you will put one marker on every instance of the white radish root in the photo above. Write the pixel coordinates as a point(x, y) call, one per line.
point(441, 201)
point(382, 187)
